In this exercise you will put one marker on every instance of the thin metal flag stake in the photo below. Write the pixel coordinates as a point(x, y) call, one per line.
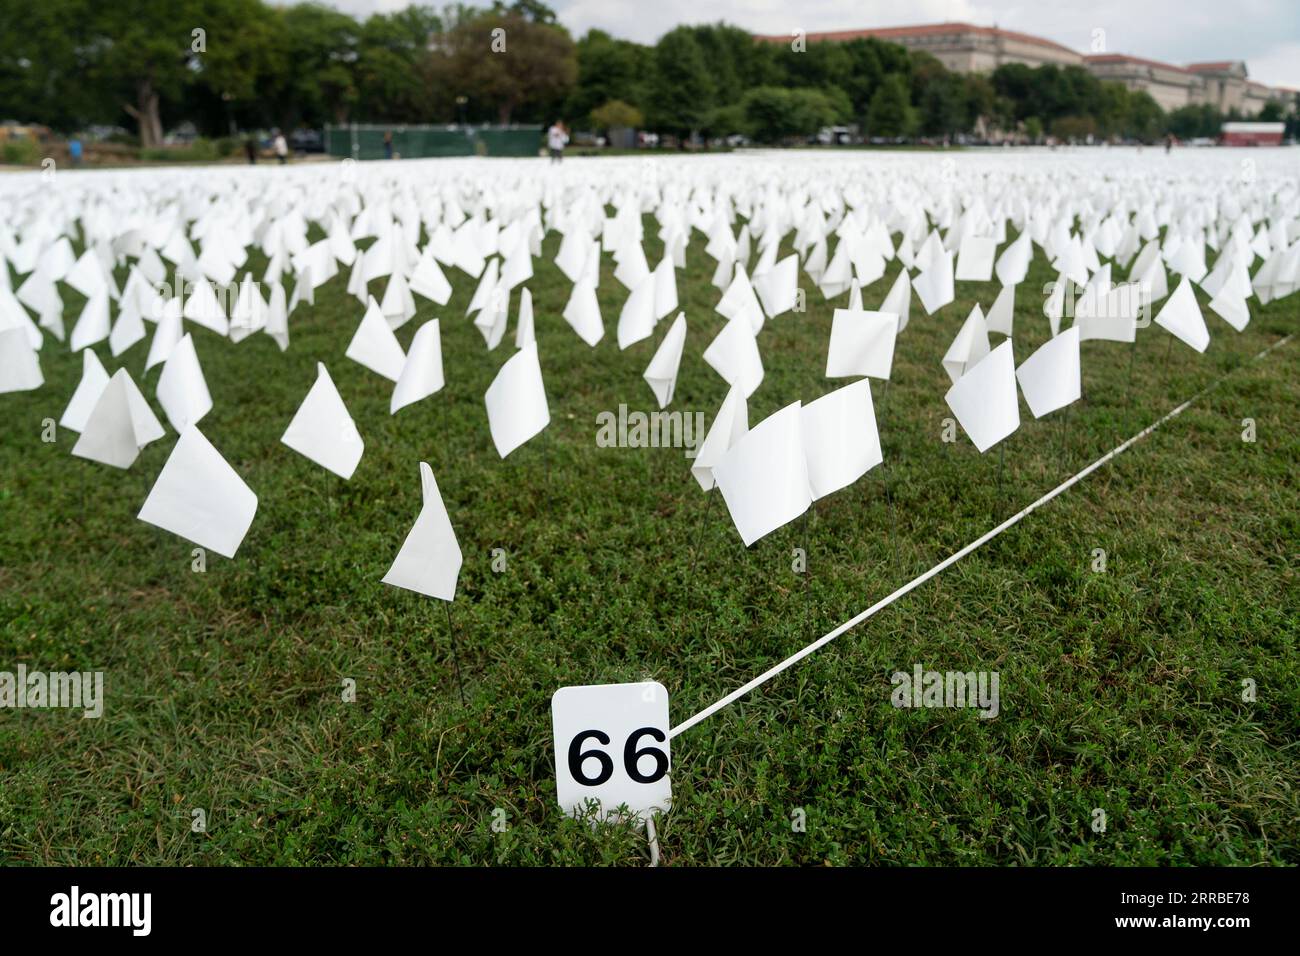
point(455, 654)
point(695, 552)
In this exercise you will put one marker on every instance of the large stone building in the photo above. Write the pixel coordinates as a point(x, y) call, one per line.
point(965, 48)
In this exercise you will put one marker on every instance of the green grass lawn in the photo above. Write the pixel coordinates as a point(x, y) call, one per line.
point(1120, 691)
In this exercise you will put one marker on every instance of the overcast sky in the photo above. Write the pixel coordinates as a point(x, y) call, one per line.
point(1264, 33)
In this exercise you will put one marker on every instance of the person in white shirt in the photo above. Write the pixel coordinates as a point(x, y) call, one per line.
point(557, 137)
point(281, 148)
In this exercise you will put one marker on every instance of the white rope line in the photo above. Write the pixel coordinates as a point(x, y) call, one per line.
point(948, 562)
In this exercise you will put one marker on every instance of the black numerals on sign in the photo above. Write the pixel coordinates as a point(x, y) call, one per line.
point(631, 757)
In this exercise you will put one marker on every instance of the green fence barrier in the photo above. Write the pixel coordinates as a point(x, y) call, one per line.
point(418, 142)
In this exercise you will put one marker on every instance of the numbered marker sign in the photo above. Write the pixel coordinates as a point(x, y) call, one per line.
point(611, 746)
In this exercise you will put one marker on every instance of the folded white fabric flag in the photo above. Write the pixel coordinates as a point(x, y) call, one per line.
point(182, 390)
point(430, 558)
point(899, 300)
point(277, 317)
point(524, 331)
point(934, 286)
point(733, 354)
point(840, 440)
point(375, 346)
point(583, 313)
point(398, 305)
point(486, 285)
point(203, 306)
point(975, 259)
point(322, 429)
point(665, 283)
point(763, 477)
point(970, 345)
point(199, 497)
point(1232, 308)
point(661, 373)
point(778, 290)
point(128, 329)
point(165, 335)
point(93, 325)
point(93, 379)
point(20, 365)
point(729, 425)
point(1182, 317)
point(1013, 265)
point(984, 400)
point(516, 401)
point(422, 374)
point(637, 320)
point(120, 424)
point(429, 281)
point(862, 343)
point(1113, 317)
point(494, 317)
point(1002, 313)
point(739, 301)
point(1050, 378)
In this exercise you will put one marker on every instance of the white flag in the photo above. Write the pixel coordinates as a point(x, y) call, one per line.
point(661, 374)
point(516, 401)
point(322, 429)
point(984, 400)
point(430, 559)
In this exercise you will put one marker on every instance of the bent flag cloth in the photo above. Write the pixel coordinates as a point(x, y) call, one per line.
point(1002, 313)
point(984, 399)
point(862, 343)
point(840, 440)
point(1050, 378)
point(778, 290)
point(934, 286)
point(661, 373)
point(665, 282)
point(970, 345)
point(524, 332)
point(422, 374)
point(199, 497)
point(1114, 316)
point(733, 354)
point(182, 390)
point(120, 424)
point(203, 307)
point(1182, 317)
point(516, 401)
point(493, 317)
point(763, 477)
point(127, 330)
point(93, 325)
point(729, 426)
point(322, 429)
point(637, 320)
point(1232, 308)
point(93, 380)
point(20, 366)
point(375, 346)
point(583, 313)
point(429, 281)
point(1013, 264)
point(165, 335)
point(429, 561)
point(899, 300)
point(975, 259)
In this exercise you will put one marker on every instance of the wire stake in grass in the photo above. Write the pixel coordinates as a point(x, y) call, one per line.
point(455, 654)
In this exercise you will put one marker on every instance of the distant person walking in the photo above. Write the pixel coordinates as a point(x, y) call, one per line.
point(74, 151)
point(250, 150)
point(281, 148)
point(388, 144)
point(557, 137)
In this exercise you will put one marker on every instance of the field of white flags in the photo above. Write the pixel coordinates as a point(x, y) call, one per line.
point(791, 507)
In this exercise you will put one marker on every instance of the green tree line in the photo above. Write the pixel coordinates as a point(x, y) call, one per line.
point(239, 64)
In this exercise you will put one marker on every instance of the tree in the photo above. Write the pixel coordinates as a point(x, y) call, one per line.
point(615, 115)
point(681, 92)
point(507, 64)
point(890, 113)
point(773, 114)
point(608, 69)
